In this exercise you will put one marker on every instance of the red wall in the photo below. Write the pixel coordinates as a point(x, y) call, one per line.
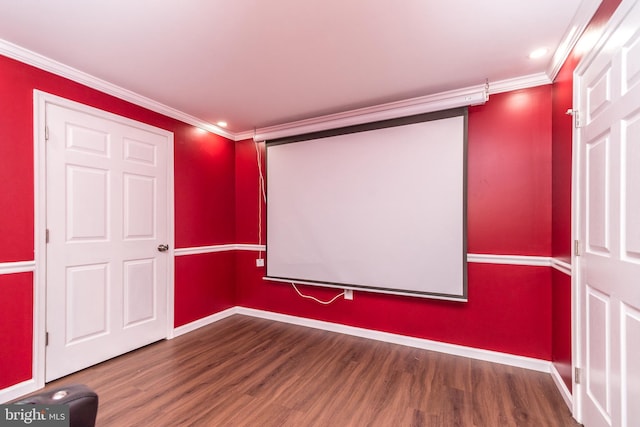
point(206, 285)
point(16, 330)
point(248, 192)
point(204, 208)
point(509, 212)
point(205, 194)
point(561, 325)
point(509, 174)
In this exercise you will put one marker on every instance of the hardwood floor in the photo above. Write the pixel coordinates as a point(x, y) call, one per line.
point(244, 371)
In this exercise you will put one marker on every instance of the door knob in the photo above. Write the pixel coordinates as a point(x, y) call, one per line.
point(163, 248)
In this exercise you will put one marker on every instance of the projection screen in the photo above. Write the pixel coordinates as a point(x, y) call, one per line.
point(378, 207)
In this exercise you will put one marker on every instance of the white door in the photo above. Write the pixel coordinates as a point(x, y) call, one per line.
point(608, 224)
point(106, 198)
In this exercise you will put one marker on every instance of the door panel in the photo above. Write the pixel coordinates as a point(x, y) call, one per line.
point(630, 365)
point(631, 190)
point(106, 215)
point(87, 302)
point(139, 292)
point(598, 362)
point(139, 202)
point(87, 203)
point(597, 195)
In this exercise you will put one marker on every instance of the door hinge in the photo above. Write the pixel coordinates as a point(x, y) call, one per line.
point(46, 133)
point(576, 247)
point(577, 374)
point(576, 117)
point(46, 339)
point(46, 236)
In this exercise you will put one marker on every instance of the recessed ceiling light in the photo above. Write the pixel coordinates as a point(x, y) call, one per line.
point(538, 53)
point(222, 124)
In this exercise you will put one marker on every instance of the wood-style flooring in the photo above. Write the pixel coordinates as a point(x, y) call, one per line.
point(244, 371)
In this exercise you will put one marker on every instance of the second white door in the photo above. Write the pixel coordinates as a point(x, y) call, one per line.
point(608, 274)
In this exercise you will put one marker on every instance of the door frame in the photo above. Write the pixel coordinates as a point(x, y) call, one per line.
point(577, 305)
point(40, 101)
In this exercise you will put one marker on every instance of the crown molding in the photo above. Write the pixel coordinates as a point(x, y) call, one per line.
point(474, 95)
point(241, 136)
point(578, 24)
point(44, 63)
point(517, 83)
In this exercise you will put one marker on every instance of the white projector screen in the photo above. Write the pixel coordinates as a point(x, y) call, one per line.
point(381, 209)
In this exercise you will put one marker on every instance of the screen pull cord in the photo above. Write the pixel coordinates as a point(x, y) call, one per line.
point(316, 299)
point(262, 194)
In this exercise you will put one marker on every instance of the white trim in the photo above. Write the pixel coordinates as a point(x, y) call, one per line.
point(575, 29)
point(517, 83)
point(204, 249)
point(40, 101)
point(218, 248)
point(534, 261)
point(171, 233)
point(562, 387)
point(576, 295)
point(244, 135)
point(39, 236)
point(190, 327)
point(561, 266)
point(424, 104)
point(250, 247)
point(453, 349)
point(44, 63)
point(17, 390)
point(17, 267)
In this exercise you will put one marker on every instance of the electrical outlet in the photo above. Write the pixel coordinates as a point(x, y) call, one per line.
point(348, 294)
point(260, 262)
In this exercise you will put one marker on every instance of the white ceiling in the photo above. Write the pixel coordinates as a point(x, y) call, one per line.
point(257, 63)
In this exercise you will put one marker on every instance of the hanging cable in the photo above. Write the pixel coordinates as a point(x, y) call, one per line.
point(260, 172)
point(262, 195)
point(316, 299)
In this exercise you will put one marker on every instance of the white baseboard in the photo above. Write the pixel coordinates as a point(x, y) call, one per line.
point(562, 387)
point(457, 350)
point(189, 327)
point(453, 349)
point(15, 391)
